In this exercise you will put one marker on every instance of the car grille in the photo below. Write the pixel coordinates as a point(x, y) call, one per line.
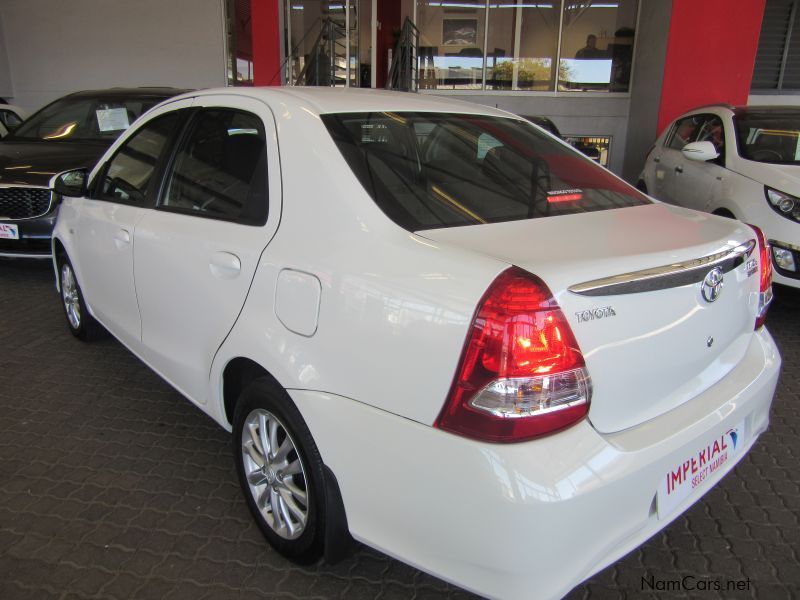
point(23, 202)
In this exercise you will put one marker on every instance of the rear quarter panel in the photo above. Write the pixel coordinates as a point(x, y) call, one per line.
point(394, 307)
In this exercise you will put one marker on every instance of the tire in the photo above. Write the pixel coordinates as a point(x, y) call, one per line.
point(724, 212)
point(81, 324)
point(641, 186)
point(276, 499)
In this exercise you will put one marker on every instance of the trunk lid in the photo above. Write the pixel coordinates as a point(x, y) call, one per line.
point(652, 343)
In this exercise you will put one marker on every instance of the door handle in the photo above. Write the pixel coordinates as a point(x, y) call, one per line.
point(679, 169)
point(122, 238)
point(657, 159)
point(224, 265)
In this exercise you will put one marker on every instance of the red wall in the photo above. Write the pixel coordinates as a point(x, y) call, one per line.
point(266, 41)
point(710, 54)
point(388, 15)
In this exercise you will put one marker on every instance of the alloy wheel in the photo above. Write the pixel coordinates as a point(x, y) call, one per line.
point(69, 294)
point(275, 474)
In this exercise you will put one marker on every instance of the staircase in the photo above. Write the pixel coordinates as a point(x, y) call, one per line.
point(326, 63)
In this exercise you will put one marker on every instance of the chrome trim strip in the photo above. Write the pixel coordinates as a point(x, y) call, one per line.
point(22, 255)
point(22, 185)
point(666, 276)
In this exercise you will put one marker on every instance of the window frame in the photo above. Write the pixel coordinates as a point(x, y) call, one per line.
point(178, 142)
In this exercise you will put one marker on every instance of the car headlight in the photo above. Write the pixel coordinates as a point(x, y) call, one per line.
point(783, 204)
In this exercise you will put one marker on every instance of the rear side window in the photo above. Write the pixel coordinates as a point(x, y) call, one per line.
point(220, 169)
point(130, 172)
point(434, 170)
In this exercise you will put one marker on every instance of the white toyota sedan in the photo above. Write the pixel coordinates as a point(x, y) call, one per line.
point(430, 326)
point(738, 162)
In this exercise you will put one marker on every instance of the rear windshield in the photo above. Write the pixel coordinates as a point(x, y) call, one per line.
point(769, 137)
point(434, 170)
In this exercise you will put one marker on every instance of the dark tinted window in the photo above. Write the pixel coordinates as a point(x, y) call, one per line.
point(221, 170)
point(72, 119)
point(129, 174)
point(10, 119)
point(469, 169)
point(685, 131)
point(771, 137)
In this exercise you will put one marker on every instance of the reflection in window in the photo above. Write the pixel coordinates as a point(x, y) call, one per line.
point(597, 45)
point(522, 44)
point(240, 43)
point(451, 44)
point(515, 44)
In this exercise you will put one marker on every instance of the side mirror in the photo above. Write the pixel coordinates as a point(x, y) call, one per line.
point(71, 183)
point(700, 151)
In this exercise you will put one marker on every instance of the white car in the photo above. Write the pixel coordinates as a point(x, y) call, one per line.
point(738, 162)
point(428, 324)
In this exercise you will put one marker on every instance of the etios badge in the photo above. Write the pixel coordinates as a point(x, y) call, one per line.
point(712, 285)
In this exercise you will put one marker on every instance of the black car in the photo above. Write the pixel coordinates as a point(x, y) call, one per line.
point(591, 151)
point(70, 133)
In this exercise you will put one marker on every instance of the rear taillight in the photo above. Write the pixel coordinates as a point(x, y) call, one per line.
point(765, 284)
point(521, 373)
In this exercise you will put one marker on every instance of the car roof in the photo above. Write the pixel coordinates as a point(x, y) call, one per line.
point(121, 92)
point(757, 111)
point(320, 101)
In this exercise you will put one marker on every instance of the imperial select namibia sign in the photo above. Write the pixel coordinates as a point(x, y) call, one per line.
point(685, 477)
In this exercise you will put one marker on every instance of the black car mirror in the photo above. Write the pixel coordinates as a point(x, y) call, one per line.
point(71, 183)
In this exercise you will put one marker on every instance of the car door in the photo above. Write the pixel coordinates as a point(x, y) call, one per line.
point(122, 189)
point(670, 160)
point(196, 253)
point(695, 183)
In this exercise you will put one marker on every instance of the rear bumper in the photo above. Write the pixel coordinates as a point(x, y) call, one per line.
point(530, 519)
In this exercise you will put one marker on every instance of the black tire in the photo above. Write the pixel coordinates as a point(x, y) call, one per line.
point(641, 186)
point(80, 323)
point(724, 212)
point(263, 397)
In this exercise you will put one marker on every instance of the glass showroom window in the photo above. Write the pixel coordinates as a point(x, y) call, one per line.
point(522, 45)
point(597, 45)
point(451, 45)
point(519, 47)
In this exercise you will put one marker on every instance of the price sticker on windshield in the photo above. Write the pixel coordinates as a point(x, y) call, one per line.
point(112, 119)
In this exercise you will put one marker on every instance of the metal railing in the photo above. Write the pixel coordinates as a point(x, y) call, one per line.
point(326, 63)
point(404, 71)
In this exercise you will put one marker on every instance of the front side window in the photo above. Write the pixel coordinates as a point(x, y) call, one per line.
point(712, 131)
point(685, 131)
point(220, 169)
point(769, 137)
point(128, 176)
point(470, 169)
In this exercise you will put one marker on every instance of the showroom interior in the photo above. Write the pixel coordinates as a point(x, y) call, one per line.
point(113, 486)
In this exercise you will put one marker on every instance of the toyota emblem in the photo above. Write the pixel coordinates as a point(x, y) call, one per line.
point(712, 285)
